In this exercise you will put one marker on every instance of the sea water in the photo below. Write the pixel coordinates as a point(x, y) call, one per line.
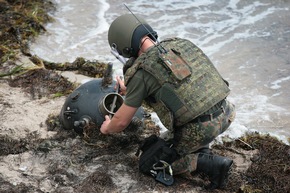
point(247, 40)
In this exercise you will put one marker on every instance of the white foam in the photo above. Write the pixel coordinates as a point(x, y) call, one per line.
point(212, 25)
point(235, 131)
point(77, 29)
point(277, 84)
point(253, 105)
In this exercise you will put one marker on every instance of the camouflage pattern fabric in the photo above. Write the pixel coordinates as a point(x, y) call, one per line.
point(187, 95)
point(175, 64)
point(192, 136)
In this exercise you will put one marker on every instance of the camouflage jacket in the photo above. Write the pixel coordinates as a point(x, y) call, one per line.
point(190, 84)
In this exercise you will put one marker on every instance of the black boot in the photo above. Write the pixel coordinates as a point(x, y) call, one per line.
point(205, 149)
point(216, 167)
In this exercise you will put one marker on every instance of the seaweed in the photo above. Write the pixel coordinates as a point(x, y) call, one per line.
point(70, 156)
point(20, 21)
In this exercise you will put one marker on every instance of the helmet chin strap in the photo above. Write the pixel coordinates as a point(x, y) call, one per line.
point(145, 44)
point(117, 55)
point(143, 41)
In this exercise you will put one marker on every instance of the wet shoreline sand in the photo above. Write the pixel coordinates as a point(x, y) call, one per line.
point(37, 155)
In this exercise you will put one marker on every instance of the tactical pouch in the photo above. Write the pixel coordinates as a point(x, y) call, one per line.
point(173, 61)
point(156, 157)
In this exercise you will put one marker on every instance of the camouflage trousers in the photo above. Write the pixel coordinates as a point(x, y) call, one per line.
point(193, 136)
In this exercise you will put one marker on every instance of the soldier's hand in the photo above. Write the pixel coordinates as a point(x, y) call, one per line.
point(105, 124)
point(121, 85)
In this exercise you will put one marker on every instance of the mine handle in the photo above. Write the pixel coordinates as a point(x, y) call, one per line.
point(114, 100)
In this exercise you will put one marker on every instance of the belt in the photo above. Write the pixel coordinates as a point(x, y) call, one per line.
point(210, 117)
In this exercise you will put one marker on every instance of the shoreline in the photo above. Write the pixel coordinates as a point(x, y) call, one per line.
point(37, 155)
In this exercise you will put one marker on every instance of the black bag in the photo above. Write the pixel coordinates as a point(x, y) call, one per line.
point(156, 157)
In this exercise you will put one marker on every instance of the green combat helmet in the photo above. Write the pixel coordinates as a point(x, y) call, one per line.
point(126, 32)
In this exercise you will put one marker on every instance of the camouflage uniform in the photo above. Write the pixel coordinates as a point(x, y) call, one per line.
point(186, 87)
point(195, 135)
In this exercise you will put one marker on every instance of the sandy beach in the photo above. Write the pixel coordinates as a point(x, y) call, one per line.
point(38, 155)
